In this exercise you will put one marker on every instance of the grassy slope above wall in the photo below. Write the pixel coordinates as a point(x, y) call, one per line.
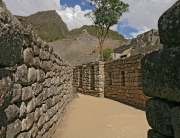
point(91, 30)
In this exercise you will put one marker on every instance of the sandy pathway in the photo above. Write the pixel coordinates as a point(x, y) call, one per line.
point(91, 117)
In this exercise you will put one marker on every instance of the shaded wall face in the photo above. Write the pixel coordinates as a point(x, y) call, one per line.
point(35, 83)
point(160, 79)
point(123, 81)
point(89, 79)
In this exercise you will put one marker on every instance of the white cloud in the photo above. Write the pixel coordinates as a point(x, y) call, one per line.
point(27, 7)
point(144, 14)
point(74, 17)
point(145, 29)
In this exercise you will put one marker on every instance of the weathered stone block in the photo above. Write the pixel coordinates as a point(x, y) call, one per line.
point(24, 135)
point(34, 131)
point(45, 93)
point(36, 62)
point(41, 121)
point(168, 25)
point(32, 76)
point(26, 93)
point(161, 74)
point(39, 99)
point(154, 134)
point(36, 50)
point(21, 75)
point(37, 114)
point(37, 88)
point(46, 66)
point(31, 105)
point(176, 121)
point(12, 112)
point(158, 114)
point(5, 87)
point(24, 125)
point(28, 56)
point(10, 49)
point(40, 75)
point(13, 129)
point(29, 120)
point(23, 109)
point(16, 95)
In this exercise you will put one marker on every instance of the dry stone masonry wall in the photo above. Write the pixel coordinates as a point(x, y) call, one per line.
point(89, 79)
point(119, 80)
point(35, 83)
point(161, 78)
point(123, 81)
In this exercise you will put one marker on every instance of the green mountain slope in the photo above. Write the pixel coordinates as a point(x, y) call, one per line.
point(48, 25)
point(91, 30)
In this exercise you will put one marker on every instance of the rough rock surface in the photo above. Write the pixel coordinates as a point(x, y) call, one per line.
point(176, 121)
point(161, 74)
point(10, 41)
point(158, 113)
point(169, 25)
point(154, 134)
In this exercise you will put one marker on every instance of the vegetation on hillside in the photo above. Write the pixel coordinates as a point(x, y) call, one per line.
point(107, 53)
point(91, 30)
point(48, 25)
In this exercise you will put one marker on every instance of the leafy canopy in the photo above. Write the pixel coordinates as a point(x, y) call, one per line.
point(107, 53)
point(106, 14)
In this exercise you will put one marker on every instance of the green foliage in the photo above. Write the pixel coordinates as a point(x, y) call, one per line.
point(91, 30)
point(48, 25)
point(107, 53)
point(106, 13)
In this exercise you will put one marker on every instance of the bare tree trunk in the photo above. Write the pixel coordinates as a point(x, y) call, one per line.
point(101, 52)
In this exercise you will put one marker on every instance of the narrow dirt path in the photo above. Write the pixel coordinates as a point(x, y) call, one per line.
point(91, 117)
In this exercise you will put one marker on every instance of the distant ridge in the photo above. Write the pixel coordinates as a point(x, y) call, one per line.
point(48, 25)
point(91, 30)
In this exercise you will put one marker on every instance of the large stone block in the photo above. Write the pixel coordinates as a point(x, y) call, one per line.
point(12, 112)
point(28, 57)
point(10, 41)
point(47, 66)
point(24, 135)
point(29, 121)
point(169, 26)
point(32, 76)
point(23, 109)
point(31, 105)
point(26, 93)
point(13, 129)
point(16, 95)
point(21, 75)
point(5, 88)
point(154, 134)
point(34, 131)
point(161, 74)
point(158, 114)
point(176, 121)
point(40, 75)
point(37, 88)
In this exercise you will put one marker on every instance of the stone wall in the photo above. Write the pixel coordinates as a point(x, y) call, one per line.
point(160, 75)
point(35, 83)
point(89, 79)
point(119, 80)
point(123, 81)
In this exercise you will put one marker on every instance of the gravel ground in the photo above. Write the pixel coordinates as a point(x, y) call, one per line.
point(91, 117)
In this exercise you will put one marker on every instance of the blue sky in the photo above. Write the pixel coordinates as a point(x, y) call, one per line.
point(143, 15)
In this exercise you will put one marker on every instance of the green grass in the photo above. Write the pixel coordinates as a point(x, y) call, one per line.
point(91, 30)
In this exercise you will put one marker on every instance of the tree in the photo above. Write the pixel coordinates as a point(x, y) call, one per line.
point(107, 53)
point(106, 13)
